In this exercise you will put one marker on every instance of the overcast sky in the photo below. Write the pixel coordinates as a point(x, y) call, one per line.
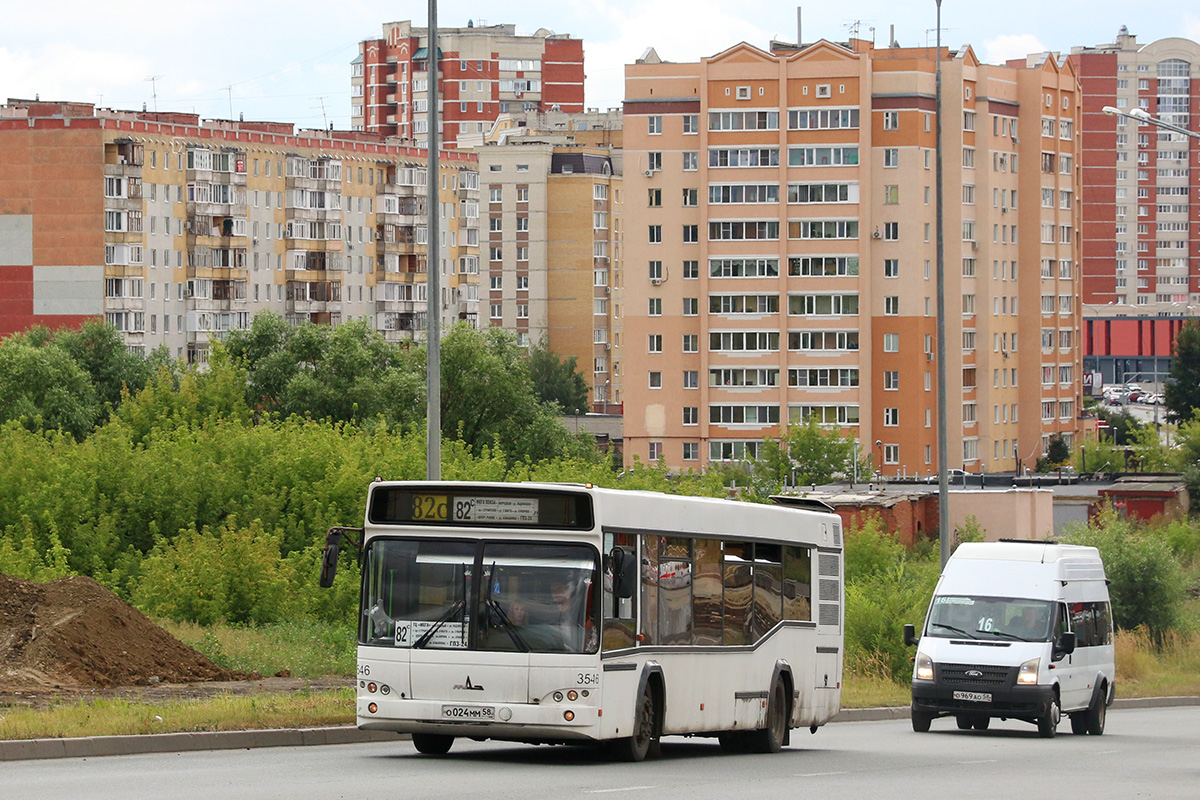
point(289, 61)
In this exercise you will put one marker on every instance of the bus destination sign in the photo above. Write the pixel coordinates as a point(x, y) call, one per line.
point(439, 505)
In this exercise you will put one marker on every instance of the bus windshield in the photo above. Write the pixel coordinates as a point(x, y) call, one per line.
point(479, 595)
point(1011, 619)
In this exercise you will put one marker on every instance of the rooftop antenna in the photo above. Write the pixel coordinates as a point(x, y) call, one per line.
point(853, 26)
point(229, 91)
point(324, 118)
point(154, 90)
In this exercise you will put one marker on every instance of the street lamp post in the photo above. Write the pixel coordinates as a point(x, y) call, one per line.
point(942, 441)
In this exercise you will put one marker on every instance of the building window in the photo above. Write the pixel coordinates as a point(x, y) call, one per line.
point(691, 379)
point(691, 306)
point(655, 306)
point(654, 343)
point(691, 343)
point(656, 450)
point(891, 157)
point(691, 234)
point(891, 380)
point(891, 454)
point(691, 161)
point(891, 417)
point(891, 306)
point(891, 343)
point(891, 268)
point(656, 380)
point(654, 125)
point(655, 234)
point(691, 451)
point(691, 415)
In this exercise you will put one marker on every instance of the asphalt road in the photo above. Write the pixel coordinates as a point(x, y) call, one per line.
point(1146, 753)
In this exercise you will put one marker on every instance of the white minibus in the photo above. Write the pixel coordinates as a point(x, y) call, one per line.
point(1016, 630)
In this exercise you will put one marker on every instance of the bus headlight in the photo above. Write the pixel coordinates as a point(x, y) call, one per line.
point(1027, 674)
point(924, 671)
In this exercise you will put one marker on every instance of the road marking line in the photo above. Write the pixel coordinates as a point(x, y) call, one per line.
point(622, 789)
point(816, 774)
point(981, 761)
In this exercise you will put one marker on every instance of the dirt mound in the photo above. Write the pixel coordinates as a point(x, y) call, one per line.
point(73, 634)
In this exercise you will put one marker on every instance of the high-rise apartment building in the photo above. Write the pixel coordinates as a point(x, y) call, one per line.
point(176, 230)
point(552, 259)
point(781, 254)
point(1140, 263)
point(486, 71)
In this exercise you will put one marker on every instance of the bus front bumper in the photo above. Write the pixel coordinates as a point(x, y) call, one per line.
point(505, 721)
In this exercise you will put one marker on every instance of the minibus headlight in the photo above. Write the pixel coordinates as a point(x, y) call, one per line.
point(924, 670)
point(1027, 674)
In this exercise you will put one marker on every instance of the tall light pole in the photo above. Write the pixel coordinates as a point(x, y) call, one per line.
point(433, 271)
point(943, 446)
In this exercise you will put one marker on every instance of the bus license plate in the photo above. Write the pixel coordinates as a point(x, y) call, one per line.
point(974, 697)
point(469, 712)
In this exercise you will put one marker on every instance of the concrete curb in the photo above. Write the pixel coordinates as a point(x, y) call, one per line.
point(96, 746)
point(901, 712)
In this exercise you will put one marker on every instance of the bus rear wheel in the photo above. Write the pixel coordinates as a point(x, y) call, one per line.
point(432, 744)
point(636, 747)
point(770, 738)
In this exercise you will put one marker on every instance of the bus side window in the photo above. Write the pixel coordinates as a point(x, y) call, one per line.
point(707, 617)
point(649, 572)
point(675, 591)
point(618, 615)
point(739, 592)
point(797, 583)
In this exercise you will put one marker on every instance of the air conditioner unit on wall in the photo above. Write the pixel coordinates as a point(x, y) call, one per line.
point(649, 173)
point(656, 281)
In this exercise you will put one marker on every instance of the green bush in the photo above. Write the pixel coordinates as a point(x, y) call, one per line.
point(1145, 579)
point(234, 575)
point(870, 548)
point(877, 607)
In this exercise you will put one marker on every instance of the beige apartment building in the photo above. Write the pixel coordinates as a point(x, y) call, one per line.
point(781, 254)
point(552, 259)
point(177, 230)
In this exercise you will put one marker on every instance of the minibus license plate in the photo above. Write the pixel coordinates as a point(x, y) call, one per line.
point(974, 697)
point(469, 712)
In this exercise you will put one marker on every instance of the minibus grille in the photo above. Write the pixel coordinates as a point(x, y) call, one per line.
point(980, 675)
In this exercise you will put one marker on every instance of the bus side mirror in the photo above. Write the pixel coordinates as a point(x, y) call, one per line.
point(910, 635)
point(329, 558)
point(624, 569)
point(1066, 644)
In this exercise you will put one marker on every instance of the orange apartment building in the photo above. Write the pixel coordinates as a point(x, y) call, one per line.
point(176, 230)
point(781, 262)
point(486, 71)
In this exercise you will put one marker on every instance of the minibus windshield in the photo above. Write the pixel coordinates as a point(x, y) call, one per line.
point(969, 617)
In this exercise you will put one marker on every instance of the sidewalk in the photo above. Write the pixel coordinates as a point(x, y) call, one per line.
point(95, 746)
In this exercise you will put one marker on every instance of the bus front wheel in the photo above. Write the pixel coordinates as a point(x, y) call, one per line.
point(637, 746)
point(432, 744)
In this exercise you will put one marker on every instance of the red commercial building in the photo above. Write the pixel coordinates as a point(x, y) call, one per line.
point(1139, 256)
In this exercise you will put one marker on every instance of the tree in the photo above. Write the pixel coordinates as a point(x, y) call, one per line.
point(112, 367)
point(1121, 425)
point(1182, 394)
point(819, 455)
point(44, 388)
point(557, 380)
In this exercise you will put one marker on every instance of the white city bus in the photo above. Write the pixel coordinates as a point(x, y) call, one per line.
point(553, 613)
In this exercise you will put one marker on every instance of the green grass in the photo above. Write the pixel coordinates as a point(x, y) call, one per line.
point(305, 648)
point(225, 712)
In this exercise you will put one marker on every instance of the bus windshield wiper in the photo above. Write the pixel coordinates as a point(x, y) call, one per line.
point(507, 624)
point(427, 635)
point(951, 628)
point(1011, 636)
point(458, 606)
